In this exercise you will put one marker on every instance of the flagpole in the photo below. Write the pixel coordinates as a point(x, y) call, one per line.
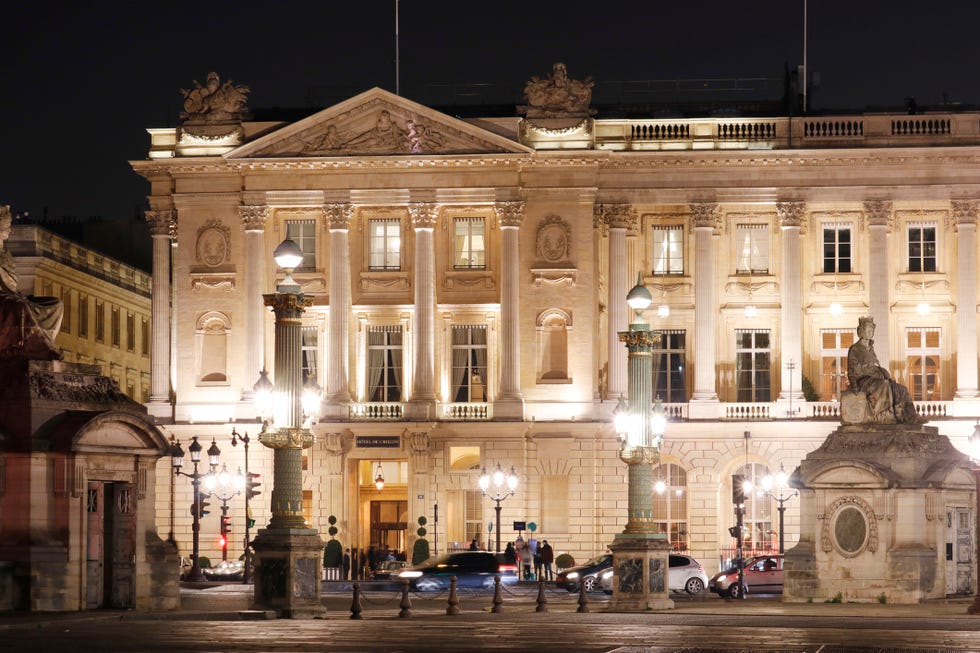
point(804, 57)
point(397, 62)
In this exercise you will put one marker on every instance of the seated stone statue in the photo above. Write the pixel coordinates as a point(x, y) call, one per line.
point(28, 324)
point(888, 402)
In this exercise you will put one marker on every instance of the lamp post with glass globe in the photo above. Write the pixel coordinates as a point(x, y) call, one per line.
point(780, 484)
point(224, 487)
point(499, 482)
point(287, 551)
point(177, 460)
point(640, 552)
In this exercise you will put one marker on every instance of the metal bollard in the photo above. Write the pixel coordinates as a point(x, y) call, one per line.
point(498, 601)
point(542, 599)
point(583, 601)
point(355, 604)
point(453, 607)
point(406, 604)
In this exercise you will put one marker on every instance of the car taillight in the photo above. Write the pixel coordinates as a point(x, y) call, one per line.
point(503, 568)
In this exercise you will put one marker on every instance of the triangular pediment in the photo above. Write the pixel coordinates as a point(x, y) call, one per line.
point(377, 123)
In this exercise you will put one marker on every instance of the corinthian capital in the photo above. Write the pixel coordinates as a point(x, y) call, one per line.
point(878, 213)
point(338, 214)
point(705, 214)
point(510, 214)
point(792, 214)
point(615, 216)
point(964, 212)
point(423, 214)
point(253, 217)
point(162, 223)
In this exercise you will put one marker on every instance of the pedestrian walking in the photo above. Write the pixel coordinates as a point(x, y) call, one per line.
point(547, 559)
point(345, 565)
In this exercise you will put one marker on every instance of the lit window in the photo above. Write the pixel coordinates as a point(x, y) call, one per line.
point(834, 344)
point(752, 365)
point(83, 316)
point(752, 248)
point(384, 380)
point(130, 332)
point(922, 357)
point(385, 244)
point(469, 243)
point(757, 531)
point(469, 373)
point(115, 326)
point(668, 249)
point(668, 367)
point(670, 503)
point(303, 233)
point(310, 351)
point(99, 321)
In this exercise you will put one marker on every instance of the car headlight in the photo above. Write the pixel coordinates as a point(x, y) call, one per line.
point(606, 574)
point(721, 579)
point(572, 575)
point(410, 574)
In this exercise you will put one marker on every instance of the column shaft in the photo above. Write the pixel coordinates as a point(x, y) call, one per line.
point(704, 316)
point(966, 310)
point(338, 386)
point(619, 287)
point(790, 317)
point(423, 387)
point(878, 290)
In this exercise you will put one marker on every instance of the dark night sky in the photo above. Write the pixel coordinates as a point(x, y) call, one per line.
point(82, 81)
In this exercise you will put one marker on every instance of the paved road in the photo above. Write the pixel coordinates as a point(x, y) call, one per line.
point(209, 622)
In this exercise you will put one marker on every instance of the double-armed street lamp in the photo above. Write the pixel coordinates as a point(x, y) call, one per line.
point(499, 482)
point(197, 508)
point(224, 487)
point(780, 483)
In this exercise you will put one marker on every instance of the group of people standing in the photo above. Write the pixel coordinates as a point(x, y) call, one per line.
point(528, 554)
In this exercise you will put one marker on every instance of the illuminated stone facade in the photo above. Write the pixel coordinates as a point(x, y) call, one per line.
point(469, 279)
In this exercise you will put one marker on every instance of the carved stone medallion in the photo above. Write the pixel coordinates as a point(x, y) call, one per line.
point(213, 243)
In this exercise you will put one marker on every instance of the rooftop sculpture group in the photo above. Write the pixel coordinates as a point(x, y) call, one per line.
point(215, 101)
point(558, 96)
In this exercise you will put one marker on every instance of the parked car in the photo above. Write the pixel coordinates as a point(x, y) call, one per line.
point(471, 569)
point(226, 570)
point(387, 569)
point(762, 575)
point(685, 575)
point(585, 574)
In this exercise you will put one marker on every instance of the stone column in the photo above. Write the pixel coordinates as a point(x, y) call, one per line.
point(792, 221)
point(878, 214)
point(705, 219)
point(618, 218)
point(253, 222)
point(422, 401)
point(338, 217)
point(510, 402)
point(965, 217)
point(163, 227)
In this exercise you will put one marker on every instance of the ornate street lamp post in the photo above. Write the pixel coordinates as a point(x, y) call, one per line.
point(640, 552)
point(177, 460)
point(780, 482)
point(287, 551)
point(250, 492)
point(230, 487)
point(975, 458)
point(499, 483)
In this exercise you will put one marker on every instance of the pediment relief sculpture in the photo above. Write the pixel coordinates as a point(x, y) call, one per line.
point(557, 96)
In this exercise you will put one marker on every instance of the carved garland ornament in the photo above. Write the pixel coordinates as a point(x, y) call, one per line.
point(842, 529)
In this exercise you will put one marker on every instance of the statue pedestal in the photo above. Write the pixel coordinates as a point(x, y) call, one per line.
point(640, 565)
point(287, 572)
point(879, 507)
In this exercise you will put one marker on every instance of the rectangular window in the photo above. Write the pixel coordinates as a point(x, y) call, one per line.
point(385, 244)
point(670, 503)
point(309, 351)
point(145, 335)
point(668, 249)
point(469, 244)
point(836, 248)
point(469, 373)
point(834, 344)
point(384, 380)
point(922, 247)
point(922, 363)
point(752, 365)
point(752, 248)
point(668, 367)
point(474, 516)
point(83, 316)
point(115, 326)
point(99, 321)
point(66, 316)
point(303, 233)
point(130, 332)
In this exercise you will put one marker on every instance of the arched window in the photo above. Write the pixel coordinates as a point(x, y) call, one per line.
point(553, 326)
point(670, 503)
point(757, 527)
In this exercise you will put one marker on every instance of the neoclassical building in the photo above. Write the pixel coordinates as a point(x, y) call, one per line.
point(469, 280)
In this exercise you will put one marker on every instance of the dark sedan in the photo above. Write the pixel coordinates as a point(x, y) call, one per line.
point(586, 574)
point(471, 569)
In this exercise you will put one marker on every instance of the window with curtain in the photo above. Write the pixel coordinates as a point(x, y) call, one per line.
point(752, 365)
point(752, 248)
point(834, 344)
point(469, 372)
point(836, 248)
point(670, 503)
point(303, 233)
point(384, 363)
point(922, 247)
point(669, 382)
point(922, 363)
point(309, 351)
point(668, 249)
point(758, 532)
point(66, 315)
point(385, 244)
point(469, 243)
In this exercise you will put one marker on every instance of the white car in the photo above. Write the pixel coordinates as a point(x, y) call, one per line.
point(686, 575)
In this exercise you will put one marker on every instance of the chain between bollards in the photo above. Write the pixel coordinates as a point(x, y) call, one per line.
point(498, 601)
point(453, 607)
point(542, 599)
point(583, 601)
point(355, 604)
point(406, 604)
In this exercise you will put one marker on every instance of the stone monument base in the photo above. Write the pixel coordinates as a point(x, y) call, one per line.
point(287, 572)
point(876, 517)
point(640, 568)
